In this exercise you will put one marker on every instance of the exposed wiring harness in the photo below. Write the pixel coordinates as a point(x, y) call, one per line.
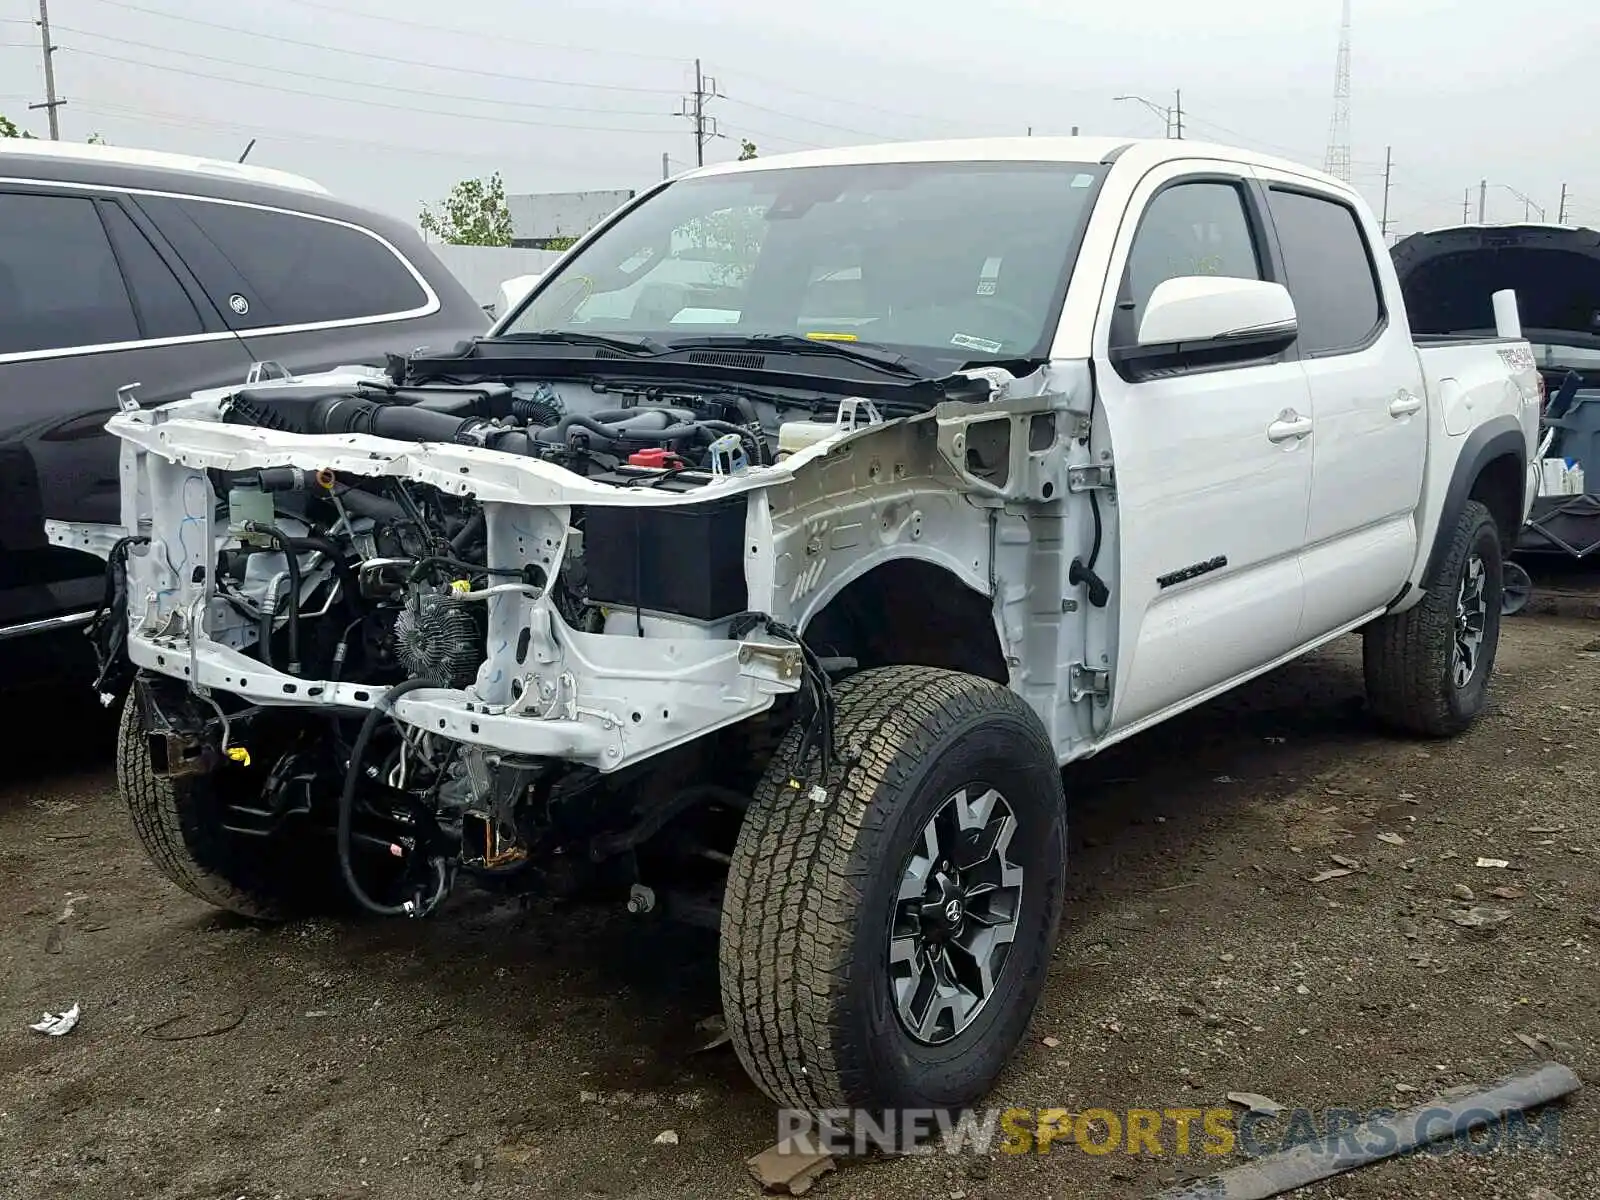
point(108, 627)
point(819, 704)
point(424, 901)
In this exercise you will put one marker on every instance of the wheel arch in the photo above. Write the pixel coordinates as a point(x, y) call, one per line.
point(1491, 468)
point(910, 610)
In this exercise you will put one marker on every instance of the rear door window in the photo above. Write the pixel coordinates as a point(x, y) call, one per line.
point(265, 268)
point(163, 306)
point(1330, 271)
point(60, 285)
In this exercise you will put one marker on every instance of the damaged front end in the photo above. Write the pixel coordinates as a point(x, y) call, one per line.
point(478, 629)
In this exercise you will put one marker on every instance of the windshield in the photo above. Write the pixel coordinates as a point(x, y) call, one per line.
point(947, 263)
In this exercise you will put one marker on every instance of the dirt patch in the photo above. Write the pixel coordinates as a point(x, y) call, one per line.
point(509, 1050)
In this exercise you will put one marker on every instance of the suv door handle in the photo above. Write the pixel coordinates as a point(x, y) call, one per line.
point(1404, 404)
point(1289, 425)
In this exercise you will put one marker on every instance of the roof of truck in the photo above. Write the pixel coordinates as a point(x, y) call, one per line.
point(126, 156)
point(1151, 151)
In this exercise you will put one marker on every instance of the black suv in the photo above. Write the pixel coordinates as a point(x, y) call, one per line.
point(125, 266)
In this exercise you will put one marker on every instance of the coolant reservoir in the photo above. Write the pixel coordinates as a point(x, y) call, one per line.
point(795, 436)
point(248, 504)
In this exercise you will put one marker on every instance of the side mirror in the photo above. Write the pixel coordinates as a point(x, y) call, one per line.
point(1211, 319)
point(514, 289)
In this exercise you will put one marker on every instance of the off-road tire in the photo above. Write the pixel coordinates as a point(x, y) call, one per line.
point(810, 895)
point(178, 821)
point(1408, 657)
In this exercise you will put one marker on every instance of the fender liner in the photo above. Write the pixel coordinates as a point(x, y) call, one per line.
point(1497, 438)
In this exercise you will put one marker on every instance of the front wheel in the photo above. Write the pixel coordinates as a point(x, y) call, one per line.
point(182, 824)
point(1428, 668)
point(885, 946)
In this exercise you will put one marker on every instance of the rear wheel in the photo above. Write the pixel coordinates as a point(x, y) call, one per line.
point(1428, 668)
point(180, 822)
point(886, 946)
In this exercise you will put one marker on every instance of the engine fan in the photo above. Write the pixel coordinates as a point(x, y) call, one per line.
point(437, 636)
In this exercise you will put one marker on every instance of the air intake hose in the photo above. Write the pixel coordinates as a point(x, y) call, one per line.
point(401, 423)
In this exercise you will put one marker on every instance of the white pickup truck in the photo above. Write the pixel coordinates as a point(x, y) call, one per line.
point(768, 562)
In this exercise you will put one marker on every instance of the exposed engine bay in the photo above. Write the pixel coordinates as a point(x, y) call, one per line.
point(545, 632)
point(407, 563)
point(369, 595)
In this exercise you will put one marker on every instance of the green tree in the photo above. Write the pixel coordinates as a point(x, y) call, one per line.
point(747, 149)
point(558, 243)
point(10, 129)
point(473, 214)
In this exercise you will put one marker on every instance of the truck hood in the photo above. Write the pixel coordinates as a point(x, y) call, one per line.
point(1449, 275)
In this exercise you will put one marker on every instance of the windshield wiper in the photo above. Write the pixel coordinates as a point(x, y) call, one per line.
point(559, 337)
point(880, 359)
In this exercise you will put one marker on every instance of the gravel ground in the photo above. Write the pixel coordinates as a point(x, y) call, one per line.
point(500, 1050)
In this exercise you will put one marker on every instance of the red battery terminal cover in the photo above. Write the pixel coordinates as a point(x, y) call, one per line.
point(656, 456)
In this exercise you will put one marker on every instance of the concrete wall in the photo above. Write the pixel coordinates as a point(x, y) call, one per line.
point(562, 214)
point(482, 268)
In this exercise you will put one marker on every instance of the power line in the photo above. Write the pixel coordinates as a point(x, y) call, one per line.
point(388, 58)
point(834, 99)
point(295, 136)
point(745, 130)
point(497, 36)
point(322, 78)
point(406, 108)
point(807, 120)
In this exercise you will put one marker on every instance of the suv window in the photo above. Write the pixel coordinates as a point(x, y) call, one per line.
point(1330, 271)
point(59, 281)
point(164, 307)
point(289, 269)
point(1198, 228)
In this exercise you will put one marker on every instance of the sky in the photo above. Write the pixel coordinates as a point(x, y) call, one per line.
point(388, 104)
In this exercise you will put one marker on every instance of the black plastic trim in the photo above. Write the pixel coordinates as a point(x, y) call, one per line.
point(1501, 437)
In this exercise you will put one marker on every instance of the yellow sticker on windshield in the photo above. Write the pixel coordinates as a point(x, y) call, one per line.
point(818, 335)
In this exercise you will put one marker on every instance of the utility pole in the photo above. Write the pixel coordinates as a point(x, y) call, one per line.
point(51, 103)
point(1466, 204)
point(1483, 198)
point(699, 116)
point(1388, 170)
point(1561, 217)
point(1171, 118)
point(665, 170)
point(694, 107)
point(1177, 114)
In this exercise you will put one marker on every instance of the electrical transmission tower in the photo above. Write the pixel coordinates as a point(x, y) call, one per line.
point(694, 108)
point(1337, 161)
